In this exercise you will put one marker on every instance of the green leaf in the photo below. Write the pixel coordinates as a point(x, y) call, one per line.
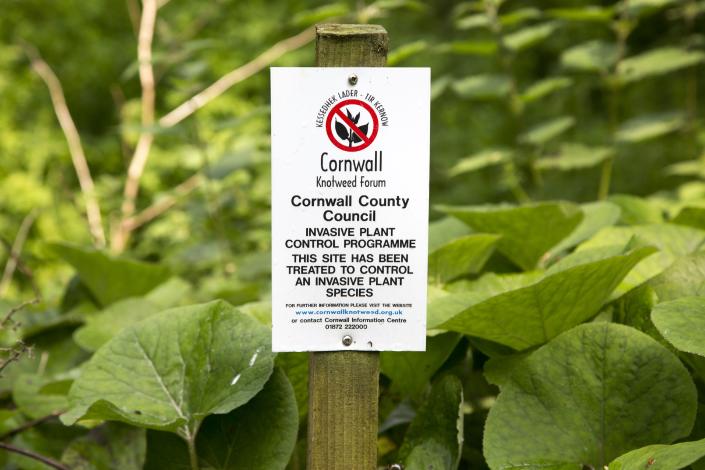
point(641, 7)
point(684, 278)
point(682, 323)
point(588, 396)
point(545, 87)
point(465, 255)
point(651, 126)
point(259, 435)
point(532, 315)
point(588, 13)
point(661, 457)
point(175, 368)
point(101, 327)
point(519, 16)
point(691, 216)
point(529, 36)
point(319, 14)
point(411, 371)
point(471, 47)
point(591, 56)
point(528, 232)
point(547, 130)
point(34, 402)
point(480, 160)
point(483, 87)
point(435, 437)
point(657, 62)
point(470, 22)
point(111, 279)
point(596, 216)
point(112, 446)
point(445, 230)
point(636, 210)
point(575, 157)
point(406, 51)
point(295, 366)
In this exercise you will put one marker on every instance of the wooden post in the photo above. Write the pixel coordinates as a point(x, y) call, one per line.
point(344, 385)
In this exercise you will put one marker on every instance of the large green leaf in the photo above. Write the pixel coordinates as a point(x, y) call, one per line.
point(591, 56)
point(435, 436)
point(465, 255)
point(590, 395)
point(174, 369)
point(596, 216)
point(34, 400)
point(445, 230)
point(295, 366)
point(657, 62)
point(410, 371)
point(482, 87)
point(101, 327)
point(661, 457)
point(636, 210)
point(532, 315)
point(528, 232)
point(682, 323)
point(257, 436)
point(112, 446)
point(684, 278)
point(545, 87)
point(651, 126)
point(111, 279)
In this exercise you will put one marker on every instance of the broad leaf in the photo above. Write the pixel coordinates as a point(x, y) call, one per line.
point(174, 369)
point(112, 446)
point(435, 437)
point(480, 160)
point(596, 216)
point(528, 232)
point(661, 457)
point(657, 62)
point(483, 87)
point(111, 279)
point(33, 400)
point(406, 51)
point(259, 435)
point(481, 48)
point(591, 56)
point(651, 126)
point(470, 22)
point(685, 278)
point(592, 394)
point(636, 210)
point(588, 13)
point(547, 130)
point(519, 16)
point(410, 371)
point(295, 366)
point(682, 323)
point(101, 327)
point(465, 255)
point(532, 315)
point(445, 230)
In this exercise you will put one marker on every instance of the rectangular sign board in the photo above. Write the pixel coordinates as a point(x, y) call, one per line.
point(350, 163)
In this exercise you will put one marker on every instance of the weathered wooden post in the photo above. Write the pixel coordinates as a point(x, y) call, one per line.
point(344, 385)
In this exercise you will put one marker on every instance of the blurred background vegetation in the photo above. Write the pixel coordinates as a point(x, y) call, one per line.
point(532, 100)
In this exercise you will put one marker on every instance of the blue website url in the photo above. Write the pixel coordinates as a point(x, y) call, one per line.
point(347, 311)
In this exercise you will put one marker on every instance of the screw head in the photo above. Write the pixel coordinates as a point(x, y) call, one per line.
point(347, 340)
point(352, 79)
point(396, 466)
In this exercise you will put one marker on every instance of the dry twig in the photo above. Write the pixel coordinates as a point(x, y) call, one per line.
point(15, 250)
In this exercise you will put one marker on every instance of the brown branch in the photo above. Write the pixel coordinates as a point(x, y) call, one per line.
point(73, 139)
point(219, 87)
point(146, 73)
point(33, 455)
point(28, 425)
point(162, 205)
point(8, 316)
point(15, 251)
point(21, 267)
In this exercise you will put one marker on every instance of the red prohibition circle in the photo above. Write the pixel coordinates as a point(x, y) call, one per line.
point(367, 141)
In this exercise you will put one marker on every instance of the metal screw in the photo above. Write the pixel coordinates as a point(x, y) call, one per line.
point(352, 79)
point(396, 466)
point(347, 340)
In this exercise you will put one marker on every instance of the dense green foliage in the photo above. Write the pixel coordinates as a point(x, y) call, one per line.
point(566, 313)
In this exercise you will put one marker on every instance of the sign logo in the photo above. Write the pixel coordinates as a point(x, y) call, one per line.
point(352, 125)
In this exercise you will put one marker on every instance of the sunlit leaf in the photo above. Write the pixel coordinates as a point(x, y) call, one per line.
point(529, 36)
point(545, 87)
point(575, 157)
point(406, 51)
point(591, 56)
point(661, 457)
point(548, 130)
point(657, 62)
point(483, 86)
point(651, 126)
point(464, 255)
point(480, 160)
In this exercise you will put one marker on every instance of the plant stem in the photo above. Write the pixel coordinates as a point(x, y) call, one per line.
point(33, 455)
point(193, 455)
point(28, 425)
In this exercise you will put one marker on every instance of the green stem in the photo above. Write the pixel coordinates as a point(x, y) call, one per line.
point(605, 178)
point(193, 455)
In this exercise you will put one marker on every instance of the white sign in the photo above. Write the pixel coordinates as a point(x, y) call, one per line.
point(350, 159)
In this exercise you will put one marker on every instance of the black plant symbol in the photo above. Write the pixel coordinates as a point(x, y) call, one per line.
point(351, 136)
